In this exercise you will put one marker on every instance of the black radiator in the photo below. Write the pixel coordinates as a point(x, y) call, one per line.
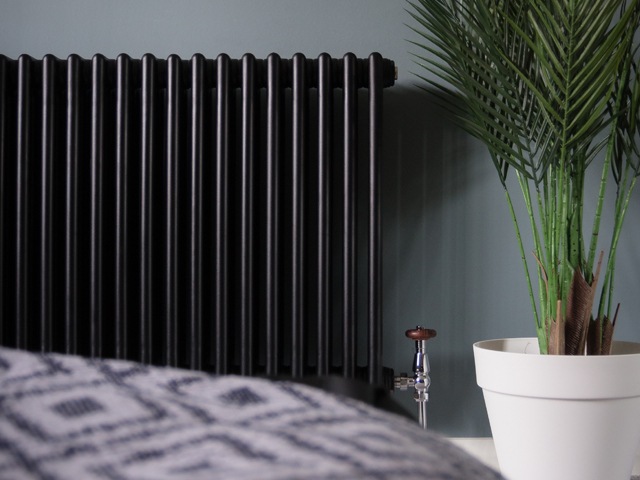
point(216, 214)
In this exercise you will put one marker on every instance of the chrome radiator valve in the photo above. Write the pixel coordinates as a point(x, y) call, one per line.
point(420, 381)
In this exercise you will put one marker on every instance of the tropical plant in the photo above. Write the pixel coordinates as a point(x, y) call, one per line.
point(551, 87)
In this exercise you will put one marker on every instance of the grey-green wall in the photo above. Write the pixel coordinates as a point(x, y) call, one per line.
point(450, 260)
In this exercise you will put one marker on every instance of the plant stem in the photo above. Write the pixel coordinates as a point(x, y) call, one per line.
point(541, 337)
point(538, 250)
point(622, 203)
point(595, 229)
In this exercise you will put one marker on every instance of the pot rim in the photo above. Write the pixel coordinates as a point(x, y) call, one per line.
point(529, 346)
point(515, 372)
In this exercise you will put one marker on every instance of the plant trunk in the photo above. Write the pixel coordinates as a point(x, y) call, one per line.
point(578, 334)
point(600, 336)
point(579, 305)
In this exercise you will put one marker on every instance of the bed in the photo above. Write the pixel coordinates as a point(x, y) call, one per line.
point(69, 417)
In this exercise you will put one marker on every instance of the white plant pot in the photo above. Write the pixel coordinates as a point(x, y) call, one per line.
point(561, 417)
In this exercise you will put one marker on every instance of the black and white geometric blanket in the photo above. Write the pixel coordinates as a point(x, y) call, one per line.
point(67, 417)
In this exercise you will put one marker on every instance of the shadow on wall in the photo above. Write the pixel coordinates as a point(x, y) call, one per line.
point(434, 230)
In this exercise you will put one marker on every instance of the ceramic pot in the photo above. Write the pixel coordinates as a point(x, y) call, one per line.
point(561, 417)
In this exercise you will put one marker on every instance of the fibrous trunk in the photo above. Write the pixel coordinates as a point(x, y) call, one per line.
point(577, 333)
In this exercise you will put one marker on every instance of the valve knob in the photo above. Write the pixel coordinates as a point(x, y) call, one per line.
point(420, 333)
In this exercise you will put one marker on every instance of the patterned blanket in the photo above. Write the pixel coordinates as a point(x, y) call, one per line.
point(67, 417)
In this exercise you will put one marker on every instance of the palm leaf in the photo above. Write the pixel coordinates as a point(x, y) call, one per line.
point(471, 67)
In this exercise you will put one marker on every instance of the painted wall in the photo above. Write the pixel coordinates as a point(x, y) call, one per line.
point(450, 260)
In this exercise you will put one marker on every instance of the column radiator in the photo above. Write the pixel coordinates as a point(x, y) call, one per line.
point(216, 214)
